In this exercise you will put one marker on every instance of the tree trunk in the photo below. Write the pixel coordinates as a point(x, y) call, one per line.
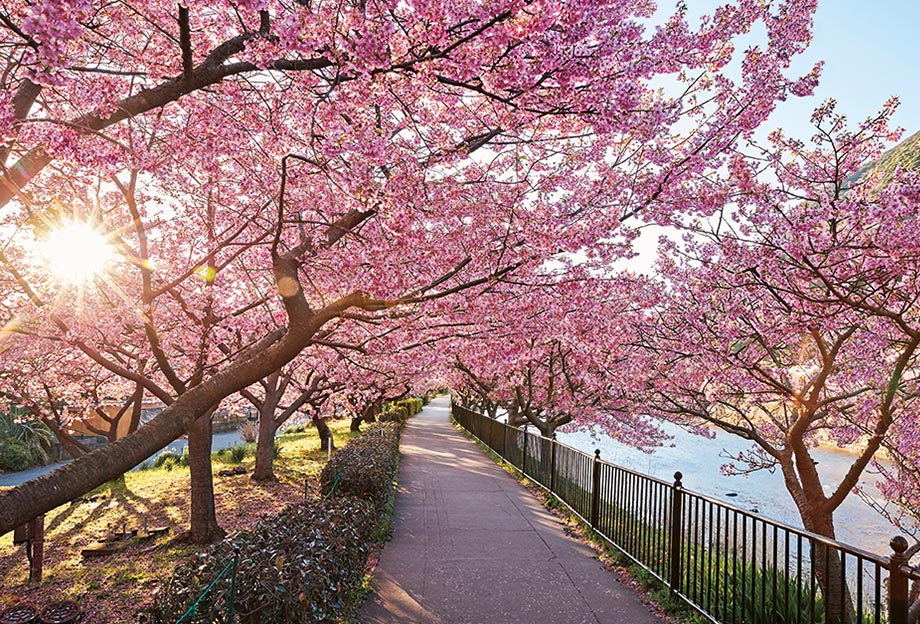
point(326, 440)
point(356, 423)
point(265, 446)
point(136, 409)
point(828, 569)
point(71, 445)
point(20, 504)
point(203, 527)
point(515, 417)
point(372, 410)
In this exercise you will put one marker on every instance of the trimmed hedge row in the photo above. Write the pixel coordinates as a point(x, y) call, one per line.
point(302, 564)
point(395, 415)
point(413, 405)
point(401, 411)
point(365, 467)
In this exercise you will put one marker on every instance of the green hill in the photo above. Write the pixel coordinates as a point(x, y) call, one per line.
point(905, 154)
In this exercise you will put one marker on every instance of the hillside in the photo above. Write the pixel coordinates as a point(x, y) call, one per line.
point(905, 154)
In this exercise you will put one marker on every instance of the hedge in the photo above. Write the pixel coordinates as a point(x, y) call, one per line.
point(303, 564)
point(365, 467)
point(394, 414)
point(413, 406)
point(297, 566)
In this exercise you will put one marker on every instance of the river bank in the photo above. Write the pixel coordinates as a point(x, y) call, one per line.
point(762, 492)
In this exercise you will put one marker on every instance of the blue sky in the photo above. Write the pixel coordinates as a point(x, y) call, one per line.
point(870, 50)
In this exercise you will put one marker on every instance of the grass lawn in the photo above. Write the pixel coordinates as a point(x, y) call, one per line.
point(111, 588)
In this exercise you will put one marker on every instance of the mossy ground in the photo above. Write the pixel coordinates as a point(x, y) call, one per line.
point(111, 588)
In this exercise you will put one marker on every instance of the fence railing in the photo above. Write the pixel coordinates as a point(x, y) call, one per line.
point(732, 566)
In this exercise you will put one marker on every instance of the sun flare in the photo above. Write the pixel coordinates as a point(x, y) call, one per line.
point(76, 252)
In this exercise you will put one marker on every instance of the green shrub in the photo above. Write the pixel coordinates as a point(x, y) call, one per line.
point(394, 414)
point(166, 459)
point(14, 455)
point(364, 467)
point(296, 567)
point(30, 433)
point(237, 454)
point(412, 406)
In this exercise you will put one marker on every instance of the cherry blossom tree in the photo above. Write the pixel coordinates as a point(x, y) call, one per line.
point(558, 358)
point(465, 142)
point(77, 393)
point(791, 319)
point(302, 385)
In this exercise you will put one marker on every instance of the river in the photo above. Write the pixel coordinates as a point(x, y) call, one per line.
point(761, 492)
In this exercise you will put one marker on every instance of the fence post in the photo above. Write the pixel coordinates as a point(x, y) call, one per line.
point(898, 602)
point(552, 464)
point(524, 460)
point(596, 489)
point(676, 517)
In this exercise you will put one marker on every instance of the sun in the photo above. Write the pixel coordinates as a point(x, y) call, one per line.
point(76, 252)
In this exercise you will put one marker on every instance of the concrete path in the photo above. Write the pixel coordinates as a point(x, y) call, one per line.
point(471, 545)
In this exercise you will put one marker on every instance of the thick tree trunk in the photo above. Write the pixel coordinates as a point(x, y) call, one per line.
point(265, 446)
point(372, 411)
point(356, 423)
point(326, 440)
point(38, 496)
point(203, 527)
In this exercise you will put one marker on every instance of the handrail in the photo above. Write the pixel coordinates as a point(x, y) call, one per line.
point(722, 560)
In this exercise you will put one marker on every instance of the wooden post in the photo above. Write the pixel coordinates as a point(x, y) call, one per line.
point(36, 561)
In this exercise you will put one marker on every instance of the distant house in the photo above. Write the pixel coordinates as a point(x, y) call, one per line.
point(93, 424)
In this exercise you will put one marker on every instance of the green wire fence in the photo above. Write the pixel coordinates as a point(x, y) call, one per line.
point(228, 575)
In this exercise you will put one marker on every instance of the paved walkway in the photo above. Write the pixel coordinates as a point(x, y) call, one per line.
point(471, 545)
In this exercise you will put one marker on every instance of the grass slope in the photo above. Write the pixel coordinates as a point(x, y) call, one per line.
point(110, 588)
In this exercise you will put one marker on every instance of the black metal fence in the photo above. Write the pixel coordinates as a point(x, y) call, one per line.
point(732, 566)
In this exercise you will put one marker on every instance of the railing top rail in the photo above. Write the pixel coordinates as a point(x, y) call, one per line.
point(805, 533)
point(914, 572)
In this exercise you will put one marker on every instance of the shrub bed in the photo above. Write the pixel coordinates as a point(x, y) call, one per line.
point(413, 406)
point(303, 564)
point(394, 414)
point(365, 467)
point(297, 566)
